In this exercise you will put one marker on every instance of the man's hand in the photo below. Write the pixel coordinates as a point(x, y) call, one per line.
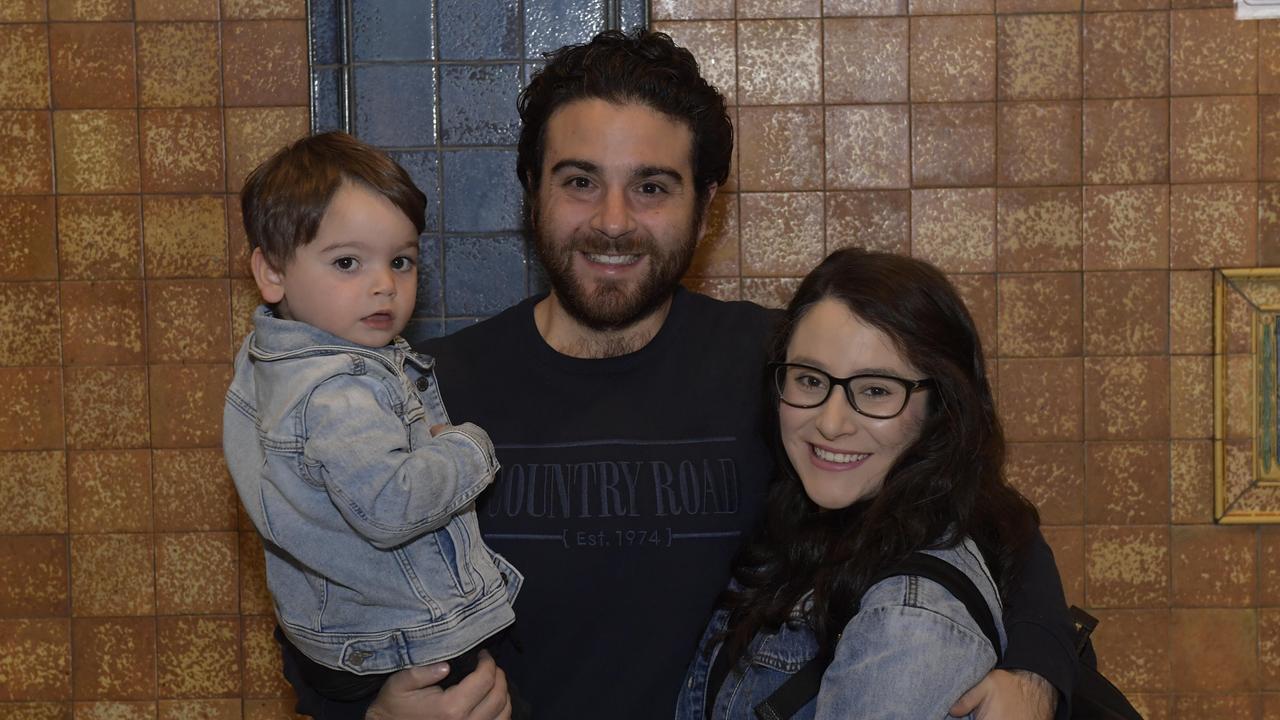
point(1009, 695)
point(412, 694)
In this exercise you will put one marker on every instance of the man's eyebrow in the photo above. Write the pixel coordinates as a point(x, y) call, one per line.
point(572, 164)
point(648, 171)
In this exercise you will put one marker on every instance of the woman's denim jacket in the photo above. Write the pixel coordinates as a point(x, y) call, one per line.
point(373, 554)
point(910, 653)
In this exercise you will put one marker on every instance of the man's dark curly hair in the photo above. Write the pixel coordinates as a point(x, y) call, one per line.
point(640, 67)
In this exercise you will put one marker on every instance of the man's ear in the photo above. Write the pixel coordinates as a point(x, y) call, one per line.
point(270, 281)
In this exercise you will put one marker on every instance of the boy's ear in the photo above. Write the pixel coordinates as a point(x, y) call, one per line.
point(270, 281)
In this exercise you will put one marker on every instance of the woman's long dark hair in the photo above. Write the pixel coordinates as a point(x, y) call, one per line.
point(946, 485)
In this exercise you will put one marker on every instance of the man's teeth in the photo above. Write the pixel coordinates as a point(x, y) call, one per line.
point(838, 457)
point(612, 259)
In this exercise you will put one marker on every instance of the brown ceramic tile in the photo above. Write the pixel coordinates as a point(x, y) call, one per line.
point(109, 491)
point(1126, 54)
point(726, 289)
point(27, 225)
point(780, 148)
point(1271, 706)
point(188, 321)
point(1051, 475)
point(269, 709)
point(178, 64)
point(1214, 139)
point(1126, 398)
point(1211, 53)
point(1214, 650)
point(205, 709)
point(106, 407)
point(1126, 141)
point(1037, 6)
point(954, 228)
point(30, 408)
point(1269, 223)
point(1039, 143)
point(1039, 315)
point(99, 236)
point(769, 292)
point(26, 152)
point(779, 8)
point(1239, 397)
point(865, 60)
point(717, 255)
point(1212, 225)
point(1191, 312)
point(33, 576)
point(253, 134)
point(978, 292)
point(850, 8)
point(779, 62)
point(196, 573)
point(263, 674)
point(1028, 412)
point(184, 236)
point(38, 711)
point(951, 7)
point(92, 65)
point(1127, 483)
point(1191, 481)
point(1269, 565)
point(1126, 227)
point(691, 9)
point(177, 9)
point(182, 151)
point(23, 11)
point(1213, 565)
point(115, 710)
point(953, 59)
point(264, 62)
point(1269, 136)
point(1038, 229)
point(715, 44)
point(29, 335)
point(1191, 379)
point(193, 491)
point(245, 297)
point(1039, 56)
point(35, 487)
point(263, 9)
point(102, 323)
point(1245, 706)
point(1067, 543)
point(254, 596)
point(44, 647)
point(112, 575)
point(868, 146)
point(781, 233)
point(1126, 566)
point(875, 220)
point(24, 52)
point(198, 657)
point(953, 144)
point(1268, 57)
point(238, 241)
point(99, 10)
point(97, 151)
point(1133, 648)
point(114, 659)
point(186, 404)
point(1126, 313)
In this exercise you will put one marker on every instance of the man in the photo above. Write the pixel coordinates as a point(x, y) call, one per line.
point(629, 413)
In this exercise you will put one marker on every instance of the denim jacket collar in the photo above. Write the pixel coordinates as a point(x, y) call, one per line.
point(275, 337)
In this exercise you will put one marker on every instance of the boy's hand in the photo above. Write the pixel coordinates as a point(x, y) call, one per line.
point(439, 428)
point(412, 694)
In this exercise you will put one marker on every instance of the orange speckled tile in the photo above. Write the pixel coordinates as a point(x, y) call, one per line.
point(187, 403)
point(1237, 707)
point(269, 709)
point(26, 152)
point(1269, 565)
point(717, 254)
point(1039, 315)
point(1038, 229)
point(30, 408)
point(35, 485)
point(1126, 227)
point(780, 148)
point(23, 11)
point(1039, 143)
point(263, 9)
point(97, 151)
point(1067, 543)
point(1211, 53)
point(715, 44)
point(1126, 483)
point(114, 658)
point(255, 599)
point(238, 240)
point(779, 8)
point(185, 236)
point(1214, 650)
point(109, 490)
point(1126, 54)
point(196, 573)
point(93, 65)
point(1191, 377)
point(727, 289)
point(1269, 223)
point(1126, 398)
point(1213, 565)
point(24, 52)
point(177, 9)
point(1191, 481)
point(1133, 649)
point(263, 672)
point(951, 7)
point(29, 334)
point(106, 407)
point(847, 8)
point(1126, 141)
point(115, 710)
point(874, 219)
point(953, 144)
point(779, 62)
point(198, 657)
point(691, 9)
point(99, 236)
point(188, 321)
point(1126, 313)
point(868, 146)
point(264, 62)
point(92, 10)
point(1039, 56)
point(1037, 6)
point(27, 225)
point(781, 233)
point(178, 65)
point(1031, 414)
point(193, 490)
point(182, 151)
point(245, 299)
point(1214, 138)
point(112, 575)
point(36, 659)
point(1126, 566)
point(33, 576)
point(253, 134)
point(102, 323)
point(769, 292)
point(978, 292)
point(1212, 225)
point(203, 709)
point(953, 59)
point(865, 60)
point(1051, 475)
point(1269, 57)
point(954, 228)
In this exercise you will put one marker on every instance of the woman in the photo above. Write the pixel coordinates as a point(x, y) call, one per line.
point(890, 444)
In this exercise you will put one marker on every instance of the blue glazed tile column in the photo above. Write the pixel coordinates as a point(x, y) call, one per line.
point(435, 82)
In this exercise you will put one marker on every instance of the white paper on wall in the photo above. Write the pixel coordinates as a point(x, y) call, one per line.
point(1255, 9)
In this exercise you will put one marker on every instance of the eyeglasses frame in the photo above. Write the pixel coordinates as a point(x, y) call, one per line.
point(910, 385)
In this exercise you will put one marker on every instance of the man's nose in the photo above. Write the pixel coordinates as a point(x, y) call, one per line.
point(613, 217)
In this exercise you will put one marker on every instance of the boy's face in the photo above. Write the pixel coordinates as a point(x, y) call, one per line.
point(358, 278)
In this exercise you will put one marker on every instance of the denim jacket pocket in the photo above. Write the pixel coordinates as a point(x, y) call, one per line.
point(432, 558)
point(786, 650)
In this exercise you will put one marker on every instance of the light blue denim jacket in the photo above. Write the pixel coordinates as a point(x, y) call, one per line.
point(373, 554)
point(910, 653)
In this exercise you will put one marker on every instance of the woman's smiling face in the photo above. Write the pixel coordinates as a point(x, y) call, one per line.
point(842, 456)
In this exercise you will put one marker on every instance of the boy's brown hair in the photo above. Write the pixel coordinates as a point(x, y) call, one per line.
point(285, 198)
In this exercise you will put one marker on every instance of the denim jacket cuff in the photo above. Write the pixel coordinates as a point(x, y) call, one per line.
point(1035, 648)
point(486, 457)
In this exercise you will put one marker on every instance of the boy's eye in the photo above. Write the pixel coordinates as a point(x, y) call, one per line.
point(345, 263)
point(402, 263)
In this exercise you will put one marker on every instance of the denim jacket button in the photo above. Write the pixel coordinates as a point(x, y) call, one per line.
point(423, 384)
point(358, 657)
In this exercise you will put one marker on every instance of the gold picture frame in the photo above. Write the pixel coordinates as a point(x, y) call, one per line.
point(1246, 396)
